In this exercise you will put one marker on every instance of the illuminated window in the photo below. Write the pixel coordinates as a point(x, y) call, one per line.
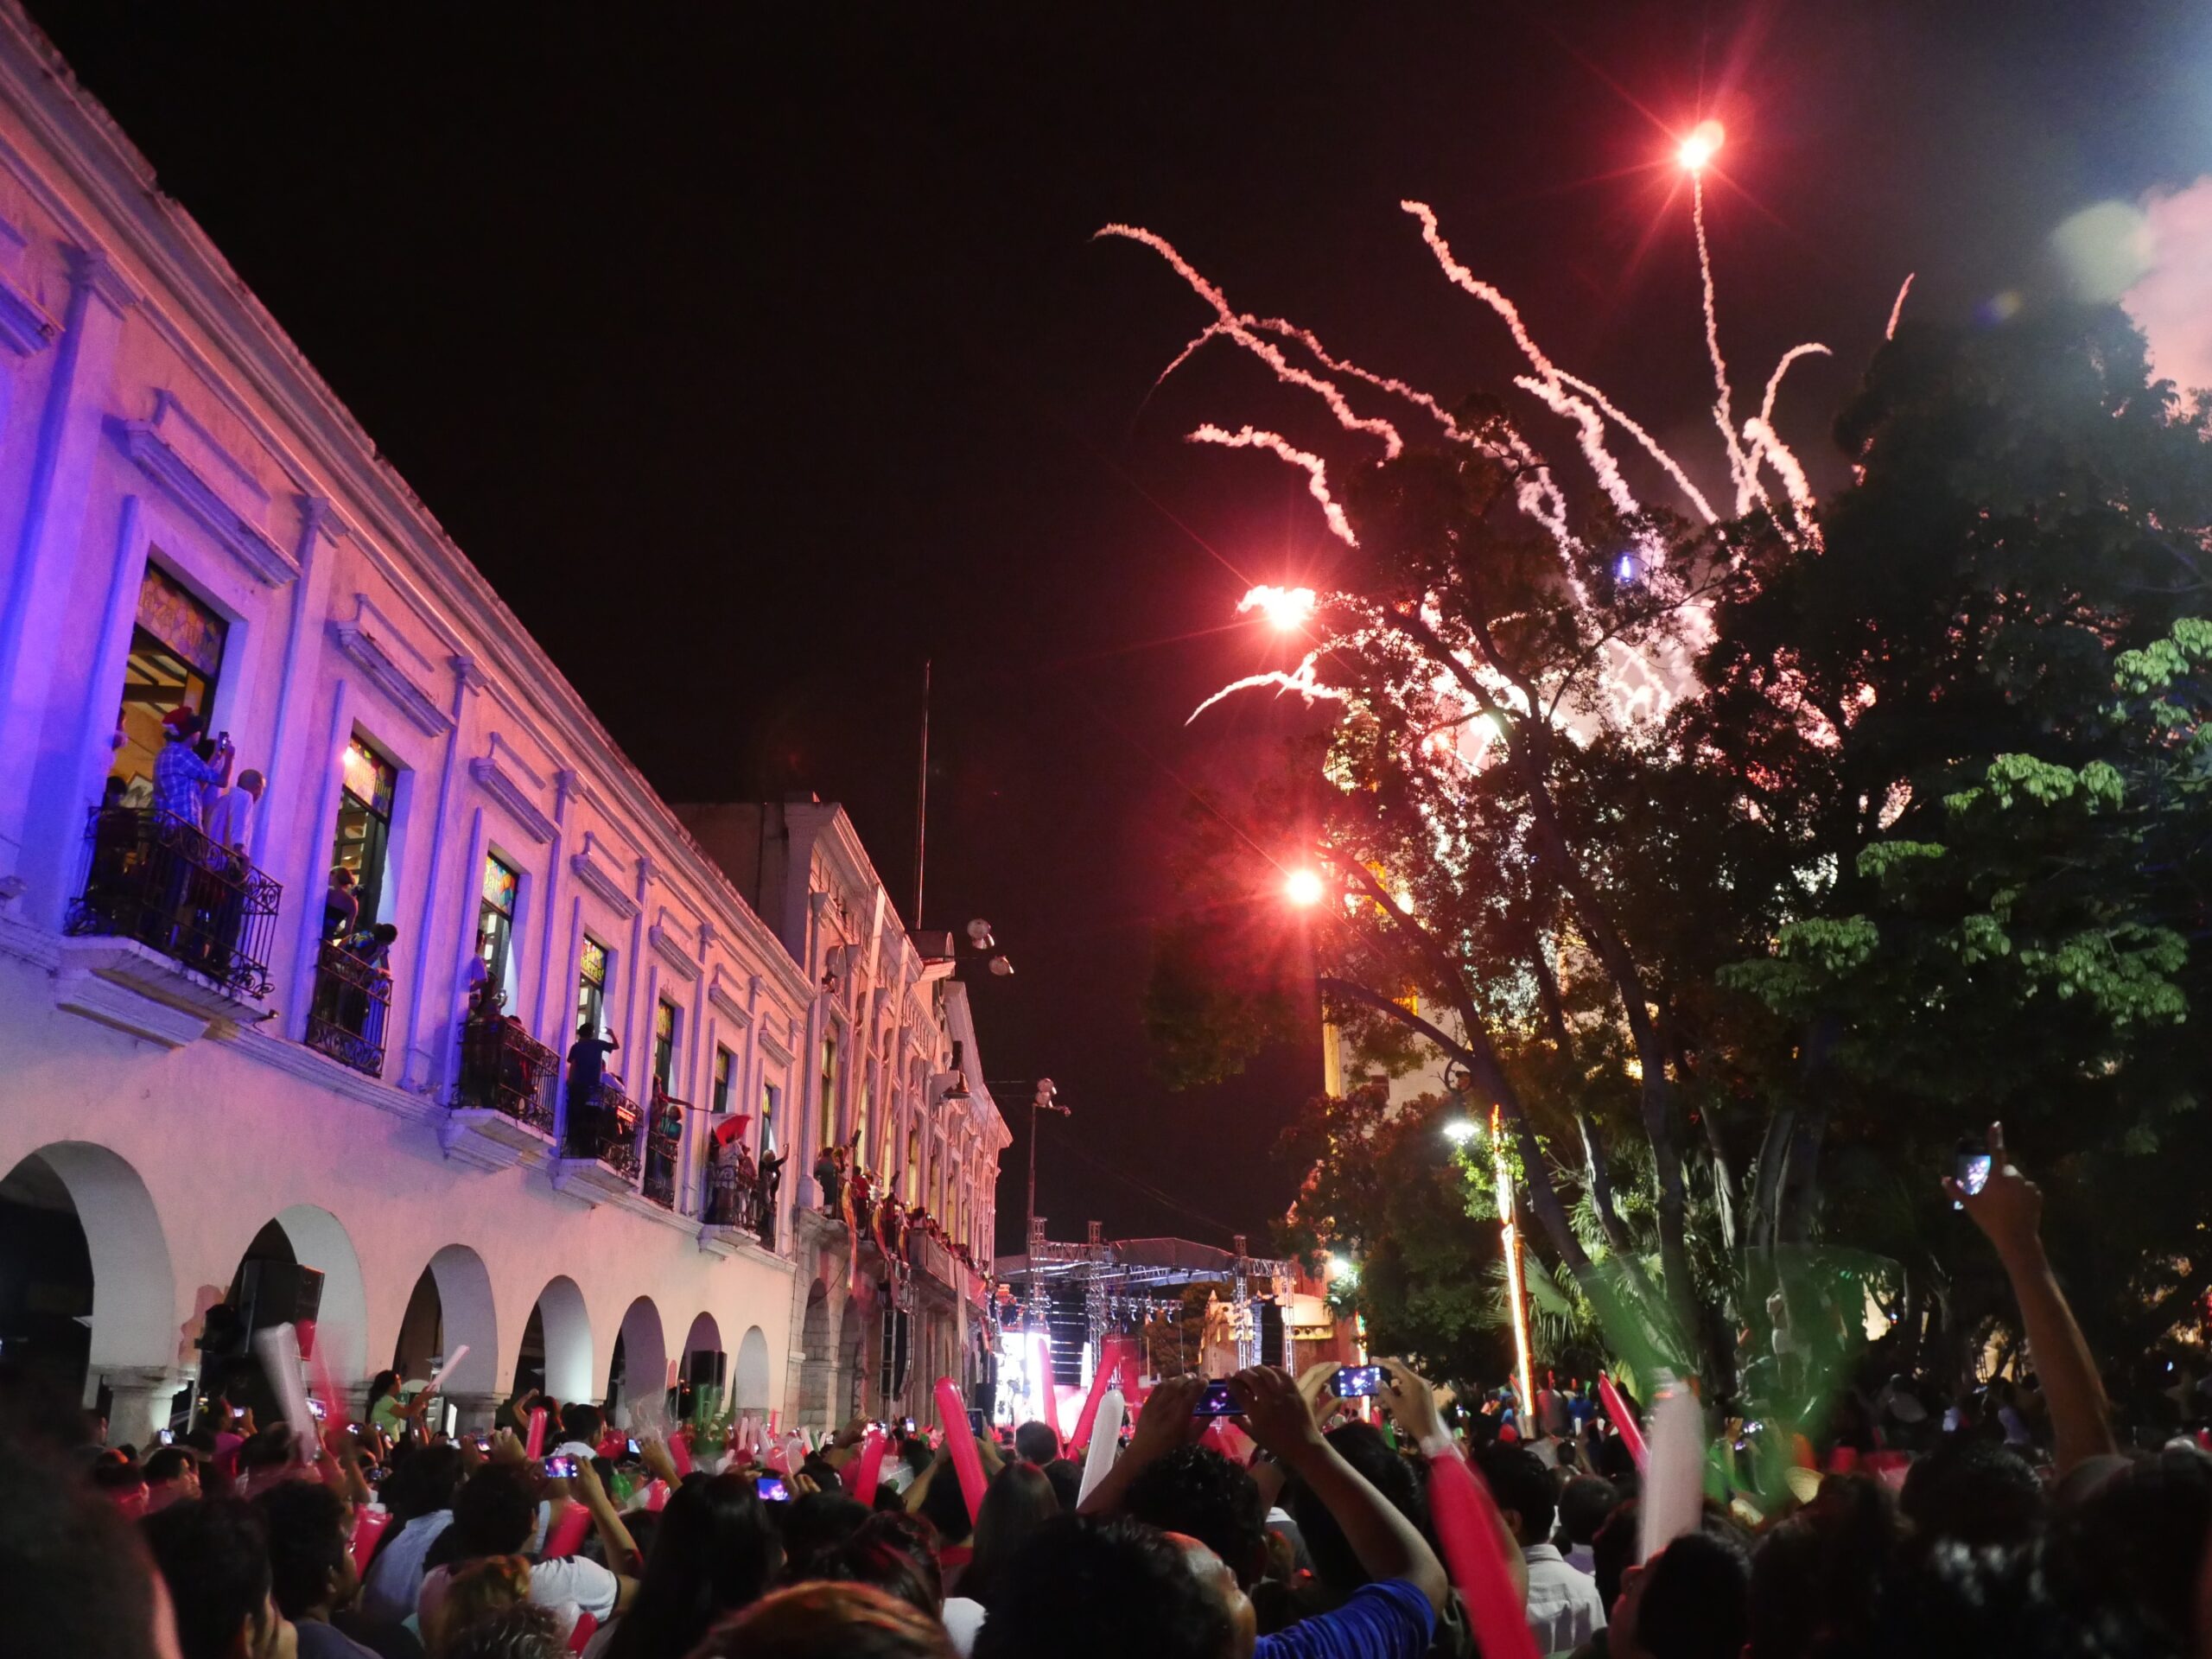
point(176, 646)
point(665, 1045)
point(826, 1131)
point(725, 1063)
point(365, 800)
point(914, 1166)
point(591, 986)
point(495, 918)
point(767, 1117)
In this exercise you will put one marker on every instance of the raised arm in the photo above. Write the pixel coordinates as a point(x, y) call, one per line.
point(1164, 1423)
point(1385, 1542)
point(2009, 1210)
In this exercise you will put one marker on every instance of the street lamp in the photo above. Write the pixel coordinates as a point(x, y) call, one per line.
point(1460, 1131)
point(1304, 887)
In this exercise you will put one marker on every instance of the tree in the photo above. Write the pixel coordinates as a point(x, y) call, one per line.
point(1924, 851)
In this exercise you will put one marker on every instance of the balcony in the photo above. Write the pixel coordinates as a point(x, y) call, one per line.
point(599, 1160)
point(735, 1208)
point(156, 880)
point(502, 1107)
point(352, 999)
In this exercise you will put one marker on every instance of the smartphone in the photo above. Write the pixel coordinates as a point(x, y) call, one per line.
point(1972, 1171)
point(484, 1444)
point(237, 1412)
point(1217, 1402)
point(1357, 1381)
point(560, 1468)
point(168, 1437)
point(631, 1446)
point(317, 1410)
point(771, 1489)
point(974, 1423)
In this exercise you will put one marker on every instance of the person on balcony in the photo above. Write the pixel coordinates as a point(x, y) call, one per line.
point(341, 906)
point(229, 823)
point(181, 777)
point(587, 1070)
point(770, 1183)
point(830, 1179)
point(664, 1139)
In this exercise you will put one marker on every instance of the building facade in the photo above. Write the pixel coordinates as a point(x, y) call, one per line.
point(319, 1059)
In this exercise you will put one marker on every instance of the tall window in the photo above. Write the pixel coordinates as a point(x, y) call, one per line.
point(176, 645)
point(495, 918)
point(937, 1184)
point(826, 1131)
point(913, 1187)
point(864, 1120)
point(768, 1117)
point(725, 1063)
point(665, 1045)
point(365, 823)
point(591, 986)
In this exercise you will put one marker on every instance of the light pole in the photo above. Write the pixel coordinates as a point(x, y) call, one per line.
point(1045, 1099)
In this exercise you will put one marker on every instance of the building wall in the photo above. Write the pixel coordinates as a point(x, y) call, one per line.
point(152, 413)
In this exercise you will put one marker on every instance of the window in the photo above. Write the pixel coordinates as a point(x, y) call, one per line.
point(863, 1120)
point(591, 986)
point(826, 1131)
point(913, 1187)
point(767, 1117)
point(495, 919)
point(725, 1062)
point(176, 646)
point(937, 1184)
point(365, 824)
point(665, 1045)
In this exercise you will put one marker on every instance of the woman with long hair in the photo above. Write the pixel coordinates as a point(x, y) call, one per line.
point(717, 1551)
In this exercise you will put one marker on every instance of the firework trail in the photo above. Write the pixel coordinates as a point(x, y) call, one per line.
point(1898, 310)
point(1316, 470)
point(1240, 328)
point(1767, 446)
point(1747, 490)
point(1300, 679)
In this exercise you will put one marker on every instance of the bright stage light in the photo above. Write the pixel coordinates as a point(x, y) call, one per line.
point(1304, 887)
point(1698, 149)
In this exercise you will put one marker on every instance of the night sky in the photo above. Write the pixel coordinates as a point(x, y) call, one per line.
point(755, 357)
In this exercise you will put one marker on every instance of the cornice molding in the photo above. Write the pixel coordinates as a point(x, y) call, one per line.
point(667, 938)
point(600, 880)
point(25, 328)
point(719, 992)
point(158, 456)
point(374, 645)
point(501, 786)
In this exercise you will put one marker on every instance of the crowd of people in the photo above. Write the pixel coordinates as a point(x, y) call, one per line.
point(1297, 1525)
point(847, 1190)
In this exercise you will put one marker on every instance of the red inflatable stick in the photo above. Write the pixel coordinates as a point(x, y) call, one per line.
point(535, 1446)
point(868, 1473)
point(566, 1535)
point(1469, 1531)
point(1101, 1380)
point(679, 1451)
point(368, 1526)
point(1617, 1408)
point(967, 1462)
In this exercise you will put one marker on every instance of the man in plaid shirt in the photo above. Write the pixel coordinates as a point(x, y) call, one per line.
point(181, 777)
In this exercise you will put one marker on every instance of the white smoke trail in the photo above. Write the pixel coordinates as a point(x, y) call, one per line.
point(1316, 470)
point(1898, 310)
point(1747, 490)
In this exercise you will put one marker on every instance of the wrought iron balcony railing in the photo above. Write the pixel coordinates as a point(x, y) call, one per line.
point(505, 1068)
point(352, 999)
point(156, 878)
point(605, 1127)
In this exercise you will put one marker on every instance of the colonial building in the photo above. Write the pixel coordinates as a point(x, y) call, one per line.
point(314, 1062)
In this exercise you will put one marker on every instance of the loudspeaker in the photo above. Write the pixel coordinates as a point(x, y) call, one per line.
point(278, 1293)
point(1271, 1334)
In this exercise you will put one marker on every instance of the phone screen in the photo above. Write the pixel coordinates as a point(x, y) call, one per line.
point(974, 1423)
point(1355, 1382)
point(168, 1437)
point(1973, 1173)
point(560, 1468)
point(318, 1410)
point(1217, 1402)
point(632, 1446)
point(772, 1490)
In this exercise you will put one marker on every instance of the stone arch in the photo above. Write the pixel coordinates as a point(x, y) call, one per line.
point(814, 1356)
point(467, 1316)
point(320, 1241)
point(749, 1382)
point(564, 1332)
point(644, 1355)
point(135, 1324)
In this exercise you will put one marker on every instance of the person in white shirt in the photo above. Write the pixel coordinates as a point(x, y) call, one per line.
point(493, 1515)
point(229, 821)
point(1565, 1609)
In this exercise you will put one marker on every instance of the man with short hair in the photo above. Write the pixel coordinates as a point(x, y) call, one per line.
point(1034, 1442)
point(231, 820)
point(172, 1477)
point(312, 1573)
point(213, 1556)
point(1565, 1609)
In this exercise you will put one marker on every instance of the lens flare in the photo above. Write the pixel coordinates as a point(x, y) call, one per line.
point(1304, 887)
point(1700, 147)
point(1284, 608)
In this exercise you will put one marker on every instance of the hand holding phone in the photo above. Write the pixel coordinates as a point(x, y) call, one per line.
point(1217, 1402)
point(771, 1489)
point(1972, 1171)
point(558, 1467)
point(1355, 1382)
